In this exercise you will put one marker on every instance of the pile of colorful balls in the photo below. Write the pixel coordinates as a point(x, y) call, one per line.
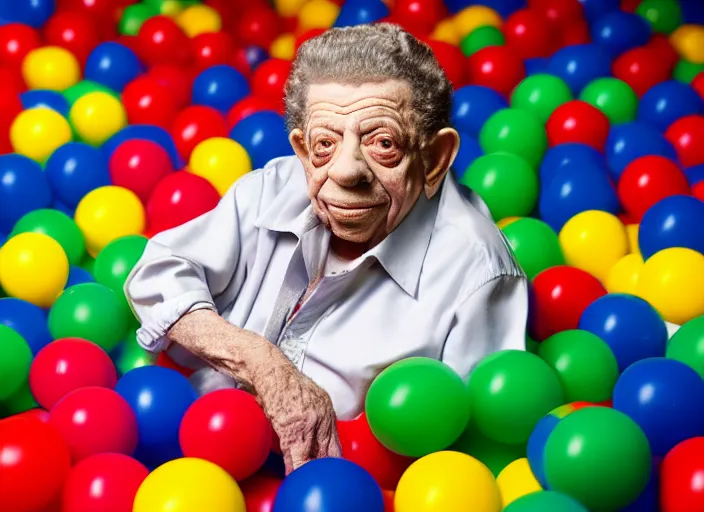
point(582, 127)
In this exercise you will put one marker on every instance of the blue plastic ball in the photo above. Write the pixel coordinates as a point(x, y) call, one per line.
point(472, 106)
point(361, 12)
point(149, 132)
point(28, 320)
point(619, 31)
point(595, 9)
point(692, 11)
point(665, 398)
point(74, 170)
point(580, 64)
point(675, 221)
point(255, 55)
point(572, 155)
point(113, 65)
point(34, 13)
point(78, 275)
point(695, 174)
point(159, 398)
point(535, 450)
point(23, 188)
point(630, 326)
point(329, 485)
point(219, 87)
point(59, 205)
point(264, 136)
point(629, 141)
point(469, 151)
point(45, 98)
point(537, 66)
point(666, 102)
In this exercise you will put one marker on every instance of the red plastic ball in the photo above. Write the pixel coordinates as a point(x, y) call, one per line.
point(418, 15)
point(258, 26)
point(687, 136)
point(146, 101)
point(496, 67)
point(11, 84)
point(641, 69)
point(558, 13)
point(34, 463)
point(529, 34)
point(246, 107)
point(211, 49)
point(646, 181)
point(161, 41)
point(698, 190)
point(698, 84)
point(559, 297)
point(107, 482)
point(164, 361)
point(660, 45)
point(578, 121)
point(269, 80)
point(682, 477)
point(308, 34)
point(176, 80)
point(238, 60)
point(138, 165)
point(230, 11)
point(178, 198)
point(66, 365)
point(630, 5)
point(195, 124)
point(35, 414)
point(452, 61)
point(74, 31)
point(227, 427)
point(260, 493)
point(360, 446)
point(389, 497)
point(95, 420)
point(16, 41)
point(576, 33)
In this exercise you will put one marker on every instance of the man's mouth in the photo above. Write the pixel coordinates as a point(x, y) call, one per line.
point(351, 210)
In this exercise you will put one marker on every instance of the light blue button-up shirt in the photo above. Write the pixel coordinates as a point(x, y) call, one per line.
point(444, 284)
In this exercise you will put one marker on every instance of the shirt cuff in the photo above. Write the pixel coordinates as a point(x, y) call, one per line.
point(152, 334)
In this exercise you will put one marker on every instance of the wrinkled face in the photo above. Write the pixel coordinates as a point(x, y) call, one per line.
point(361, 157)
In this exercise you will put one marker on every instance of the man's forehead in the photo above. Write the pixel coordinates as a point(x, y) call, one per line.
point(340, 98)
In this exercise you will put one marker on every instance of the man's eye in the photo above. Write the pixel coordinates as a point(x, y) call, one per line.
point(326, 143)
point(386, 143)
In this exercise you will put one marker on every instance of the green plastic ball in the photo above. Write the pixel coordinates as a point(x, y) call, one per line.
point(615, 98)
point(517, 132)
point(15, 360)
point(72, 94)
point(600, 457)
point(496, 456)
point(686, 71)
point(481, 37)
point(505, 182)
point(664, 16)
point(417, 406)
point(544, 501)
point(510, 391)
point(134, 16)
point(22, 400)
point(535, 245)
point(117, 259)
point(687, 345)
point(90, 311)
point(58, 226)
point(585, 364)
point(132, 355)
point(541, 94)
point(88, 264)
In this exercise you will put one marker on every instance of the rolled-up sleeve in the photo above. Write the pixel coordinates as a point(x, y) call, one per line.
point(492, 318)
point(182, 269)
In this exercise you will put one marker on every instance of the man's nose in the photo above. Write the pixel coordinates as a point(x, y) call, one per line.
point(349, 168)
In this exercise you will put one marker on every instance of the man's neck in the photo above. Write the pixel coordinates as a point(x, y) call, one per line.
point(347, 250)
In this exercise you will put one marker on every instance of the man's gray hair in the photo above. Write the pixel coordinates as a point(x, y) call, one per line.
point(371, 53)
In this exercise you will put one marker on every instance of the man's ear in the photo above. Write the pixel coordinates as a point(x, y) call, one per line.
point(441, 151)
point(298, 142)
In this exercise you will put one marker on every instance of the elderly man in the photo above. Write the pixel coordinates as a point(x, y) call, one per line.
point(318, 271)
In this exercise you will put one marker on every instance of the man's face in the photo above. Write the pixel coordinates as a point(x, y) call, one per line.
point(359, 150)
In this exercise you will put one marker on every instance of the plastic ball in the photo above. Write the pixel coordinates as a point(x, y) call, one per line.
point(221, 161)
point(505, 182)
point(641, 69)
point(260, 492)
point(534, 244)
point(78, 275)
point(630, 326)
point(175, 79)
point(134, 16)
point(667, 102)
point(623, 276)
point(452, 62)
point(28, 320)
point(578, 121)
point(580, 64)
point(211, 49)
point(613, 97)
point(107, 482)
point(494, 455)
point(680, 473)
point(672, 280)
point(147, 132)
point(47, 99)
point(138, 165)
point(687, 345)
point(360, 12)
point(34, 461)
point(529, 34)
point(434, 484)
point(219, 87)
point(475, 16)
point(50, 67)
point(481, 38)
point(258, 25)
point(264, 137)
point(75, 169)
point(472, 106)
point(285, 46)
point(469, 151)
point(74, 31)
point(195, 124)
point(672, 222)
point(85, 87)
point(514, 131)
point(540, 94)
point(687, 136)
point(516, 480)
point(687, 40)
point(107, 213)
point(619, 31)
point(575, 156)
point(15, 362)
point(630, 141)
point(245, 108)
point(199, 19)
point(188, 484)
point(97, 116)
point(34, 268)
point(269, 80)
point(132, 355)
point(36, 133)
point(161, 41)
point(146, 101)
point(496, 67)
point(317, 14)
point(16, 41)
point(114, 263)
point(686, 71)
point(560, 296)
point(664, 16)
point(545, 500)
point(58, 226)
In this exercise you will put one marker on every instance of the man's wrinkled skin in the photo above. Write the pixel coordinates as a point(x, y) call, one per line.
point(366, 165)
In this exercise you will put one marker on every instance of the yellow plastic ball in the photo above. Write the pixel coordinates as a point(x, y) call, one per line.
point(107, 213)
point(189, 485)
point(33, 267)
point(632, 232)
point(688, 40)
point(317, 14)
point(672, 281)
point(623, 276)
point(51, 67)
point(221, 161)
point(283, 47)
point(445, 481)
point(199, 19)
point(171, 8)
point(97, 116)
point(37, 132)
point(506, 221)
point(473, 17)
point(446, 31)
point(288, 8)
point(594, 241)
point(516, 480)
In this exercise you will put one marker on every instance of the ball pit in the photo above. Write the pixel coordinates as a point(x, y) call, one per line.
point(581, 125)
